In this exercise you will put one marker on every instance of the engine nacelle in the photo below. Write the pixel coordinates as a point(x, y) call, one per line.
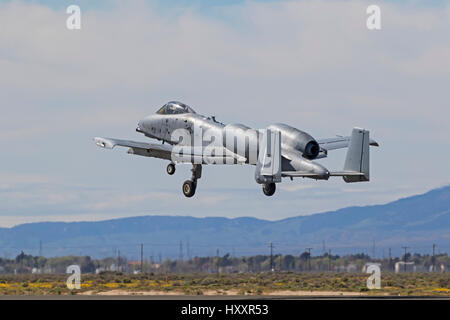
point(298, 140)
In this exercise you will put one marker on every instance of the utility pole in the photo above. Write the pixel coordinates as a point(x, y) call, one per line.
point(217, 260)
point(329, 259)
point(390, 259)
point(404, 258)
point(180, 254)
point(187, 250)
point(151, 262)
point(142, 258)
point(373, 249)
point(118, 260)
point(160, 262)
point(309, 258)
point(281, 257)
point(271, 256)
point(433, 259)
point(40, 248)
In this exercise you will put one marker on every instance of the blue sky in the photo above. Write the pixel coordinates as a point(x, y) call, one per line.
point(312, 65)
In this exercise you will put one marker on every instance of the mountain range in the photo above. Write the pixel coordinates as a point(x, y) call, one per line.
point(417, 222)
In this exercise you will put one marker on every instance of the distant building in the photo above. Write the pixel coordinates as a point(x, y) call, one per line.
point(402, 266)
point(99, 270)
point(227, 269)
point(36, 271)
point(341, 268)
point(134, 263)
point(351, 268)
point(155, 266)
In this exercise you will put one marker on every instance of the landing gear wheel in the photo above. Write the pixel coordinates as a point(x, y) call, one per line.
point(189, 187)
point(171, 168)
point(269, 189)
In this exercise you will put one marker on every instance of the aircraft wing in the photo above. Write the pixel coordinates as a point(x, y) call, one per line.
point(339, 143)
point(140, 148)
point(169, 152)
point(110, 143)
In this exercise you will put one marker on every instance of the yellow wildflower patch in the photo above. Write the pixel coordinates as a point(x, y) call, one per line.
point(40, 285)
point(278, 284)
point(168, 284)
point(132, 284)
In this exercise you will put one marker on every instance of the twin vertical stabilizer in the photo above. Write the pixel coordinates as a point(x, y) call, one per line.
point(357, 159)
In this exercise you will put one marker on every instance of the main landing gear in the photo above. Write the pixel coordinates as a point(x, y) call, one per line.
point(269, 189)
point(189, 186)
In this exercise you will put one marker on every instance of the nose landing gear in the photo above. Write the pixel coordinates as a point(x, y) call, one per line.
point(189, 186)
point(171, 168)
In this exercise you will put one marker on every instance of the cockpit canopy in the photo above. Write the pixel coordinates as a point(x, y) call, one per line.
point(175, 107)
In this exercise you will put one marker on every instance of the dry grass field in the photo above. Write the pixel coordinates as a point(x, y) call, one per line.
point(286, 283)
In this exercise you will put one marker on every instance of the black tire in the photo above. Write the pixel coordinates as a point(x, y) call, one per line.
point(171, 169)
point(189, 187)
point(269, 189)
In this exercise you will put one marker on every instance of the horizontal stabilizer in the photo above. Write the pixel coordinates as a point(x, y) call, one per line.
point(345, 173)
point(295, 174)
point(339, 143)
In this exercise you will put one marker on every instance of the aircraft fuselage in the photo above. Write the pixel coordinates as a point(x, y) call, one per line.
point(299, 148)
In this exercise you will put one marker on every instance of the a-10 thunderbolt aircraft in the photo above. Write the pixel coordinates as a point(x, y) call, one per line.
point(277, 151)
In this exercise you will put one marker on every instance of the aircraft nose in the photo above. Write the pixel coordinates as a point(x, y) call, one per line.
point(140, 126)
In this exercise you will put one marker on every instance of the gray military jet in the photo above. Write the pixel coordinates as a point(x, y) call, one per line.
point(277, 151)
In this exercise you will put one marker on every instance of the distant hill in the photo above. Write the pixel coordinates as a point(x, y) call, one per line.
point(417, 221)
